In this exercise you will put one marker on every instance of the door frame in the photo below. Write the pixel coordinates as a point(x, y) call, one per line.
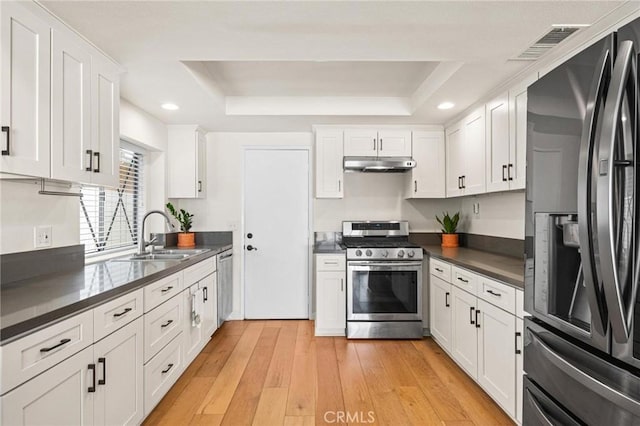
point(308, 149)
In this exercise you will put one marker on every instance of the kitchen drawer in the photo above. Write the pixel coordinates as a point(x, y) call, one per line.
point(498, 294)
point(161, 325)
point(162, 372)
point(330, 262)
point(195, 273)
point(113, 315)
point(37, 352)
point(466, 280)
point(519, 303)
point(162, 290)
point(440, 269)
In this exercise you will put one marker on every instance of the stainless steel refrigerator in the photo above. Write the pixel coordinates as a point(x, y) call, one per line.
point(582, 346)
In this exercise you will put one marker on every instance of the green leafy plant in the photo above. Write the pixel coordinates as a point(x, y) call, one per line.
point(182, 216)
point(449, 224)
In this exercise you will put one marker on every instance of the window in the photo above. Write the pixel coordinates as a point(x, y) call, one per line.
point(109, 216)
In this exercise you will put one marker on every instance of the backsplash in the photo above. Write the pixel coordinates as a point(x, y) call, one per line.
point(510, 247)
point(29, 264)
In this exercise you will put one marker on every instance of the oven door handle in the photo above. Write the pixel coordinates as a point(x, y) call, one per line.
point(387, 265)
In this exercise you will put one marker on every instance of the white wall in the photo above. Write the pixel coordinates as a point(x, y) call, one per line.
point(501, 214)
point(221, 210)
point(22, 209)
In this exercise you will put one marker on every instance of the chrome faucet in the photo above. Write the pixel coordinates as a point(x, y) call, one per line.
point(142, 245)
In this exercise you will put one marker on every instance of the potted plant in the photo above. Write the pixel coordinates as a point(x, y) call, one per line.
point(449, 226)
point(186, 239)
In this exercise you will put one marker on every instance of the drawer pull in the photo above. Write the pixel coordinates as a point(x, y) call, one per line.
point(119, 314)
point(92, 388)
point(330, 263)
point(103, 361)
point(463, 280)
point(164, 290)
point(166, 324)
point(438, 269)
point(493, 293)
point(62, 342)
point(166, 370)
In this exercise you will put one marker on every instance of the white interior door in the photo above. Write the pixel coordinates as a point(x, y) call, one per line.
point(276, 240)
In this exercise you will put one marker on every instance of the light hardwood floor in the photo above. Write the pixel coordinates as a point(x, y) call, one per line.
point(279, 373)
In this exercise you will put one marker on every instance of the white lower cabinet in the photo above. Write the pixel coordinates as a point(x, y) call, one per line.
point(465, 334)
point(209, 286)
point(193, 336)
point(480, 332)
point(441, 312)
point(496, 355)
point(59, 396)
point(119, 390)
point(331, 300)
point(100, 385)
point(162, 372)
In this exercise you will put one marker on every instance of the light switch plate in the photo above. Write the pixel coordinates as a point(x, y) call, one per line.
point(42, 236)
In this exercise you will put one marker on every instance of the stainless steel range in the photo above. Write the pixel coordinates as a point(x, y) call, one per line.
point(384, 281)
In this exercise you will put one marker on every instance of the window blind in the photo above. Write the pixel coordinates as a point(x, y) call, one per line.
point(109, 216)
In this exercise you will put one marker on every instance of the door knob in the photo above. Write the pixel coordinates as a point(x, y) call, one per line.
point(250, 247)
point(249, 235)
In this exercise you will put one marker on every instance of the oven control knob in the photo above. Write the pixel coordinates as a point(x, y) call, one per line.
point(385, 253)
point(368, 253)
point(401, 253)
point(411, 253)
point(358, 252)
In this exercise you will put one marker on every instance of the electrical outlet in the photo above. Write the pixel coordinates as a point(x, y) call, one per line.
point(42, 236)
point(476, 208)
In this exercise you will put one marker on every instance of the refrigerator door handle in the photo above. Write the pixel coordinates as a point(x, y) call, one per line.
point(610, 202)
point(586, 232)
point(604, 390)
point(539, 412)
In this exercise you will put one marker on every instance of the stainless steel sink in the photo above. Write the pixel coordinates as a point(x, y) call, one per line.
point(161, 255)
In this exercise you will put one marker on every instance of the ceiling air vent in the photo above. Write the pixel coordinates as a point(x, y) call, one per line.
point(547, 42)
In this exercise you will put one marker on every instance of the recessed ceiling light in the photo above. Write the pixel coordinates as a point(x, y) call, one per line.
point(446, 105)
point(169, 106)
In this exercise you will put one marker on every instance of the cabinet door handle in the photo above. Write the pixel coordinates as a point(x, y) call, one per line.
point(463, 280)
point(341, 284)
point(90, 154)
point(7, 130)
point(471, 309)
point(380, 144)
point(509, 174)
point(459, 182)
point(62, 342)
point(97, 169)
point(518, 351)
point(464, 184)
point(339, 185)
point(103, 361)
point(199, 186)
point(374, 144)
point(164, 290)
point(493, 293)
point(504, 171)
point(119, 314)
point(205, 294)
point(92, 388)
point(166, 324)
point(446, 300)
point(415, 186)
point(477, 320)
point(166, 370)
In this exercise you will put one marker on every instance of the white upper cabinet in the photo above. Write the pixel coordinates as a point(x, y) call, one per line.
point(427, 179)
point(377, 143)
point(25, 78)
point(497, 142)
point(71, 153)
point(466, 155)
point(329, 170)
point(518, 134)
point(62, 114)
point(186, 162)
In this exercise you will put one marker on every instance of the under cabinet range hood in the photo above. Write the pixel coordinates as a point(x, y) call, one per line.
point(378, 164)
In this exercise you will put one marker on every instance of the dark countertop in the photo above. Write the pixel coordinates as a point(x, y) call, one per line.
point(325, 247)
point(31, 304)
point(509, 270)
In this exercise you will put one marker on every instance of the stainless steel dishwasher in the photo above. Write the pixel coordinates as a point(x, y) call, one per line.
point(225, 285)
